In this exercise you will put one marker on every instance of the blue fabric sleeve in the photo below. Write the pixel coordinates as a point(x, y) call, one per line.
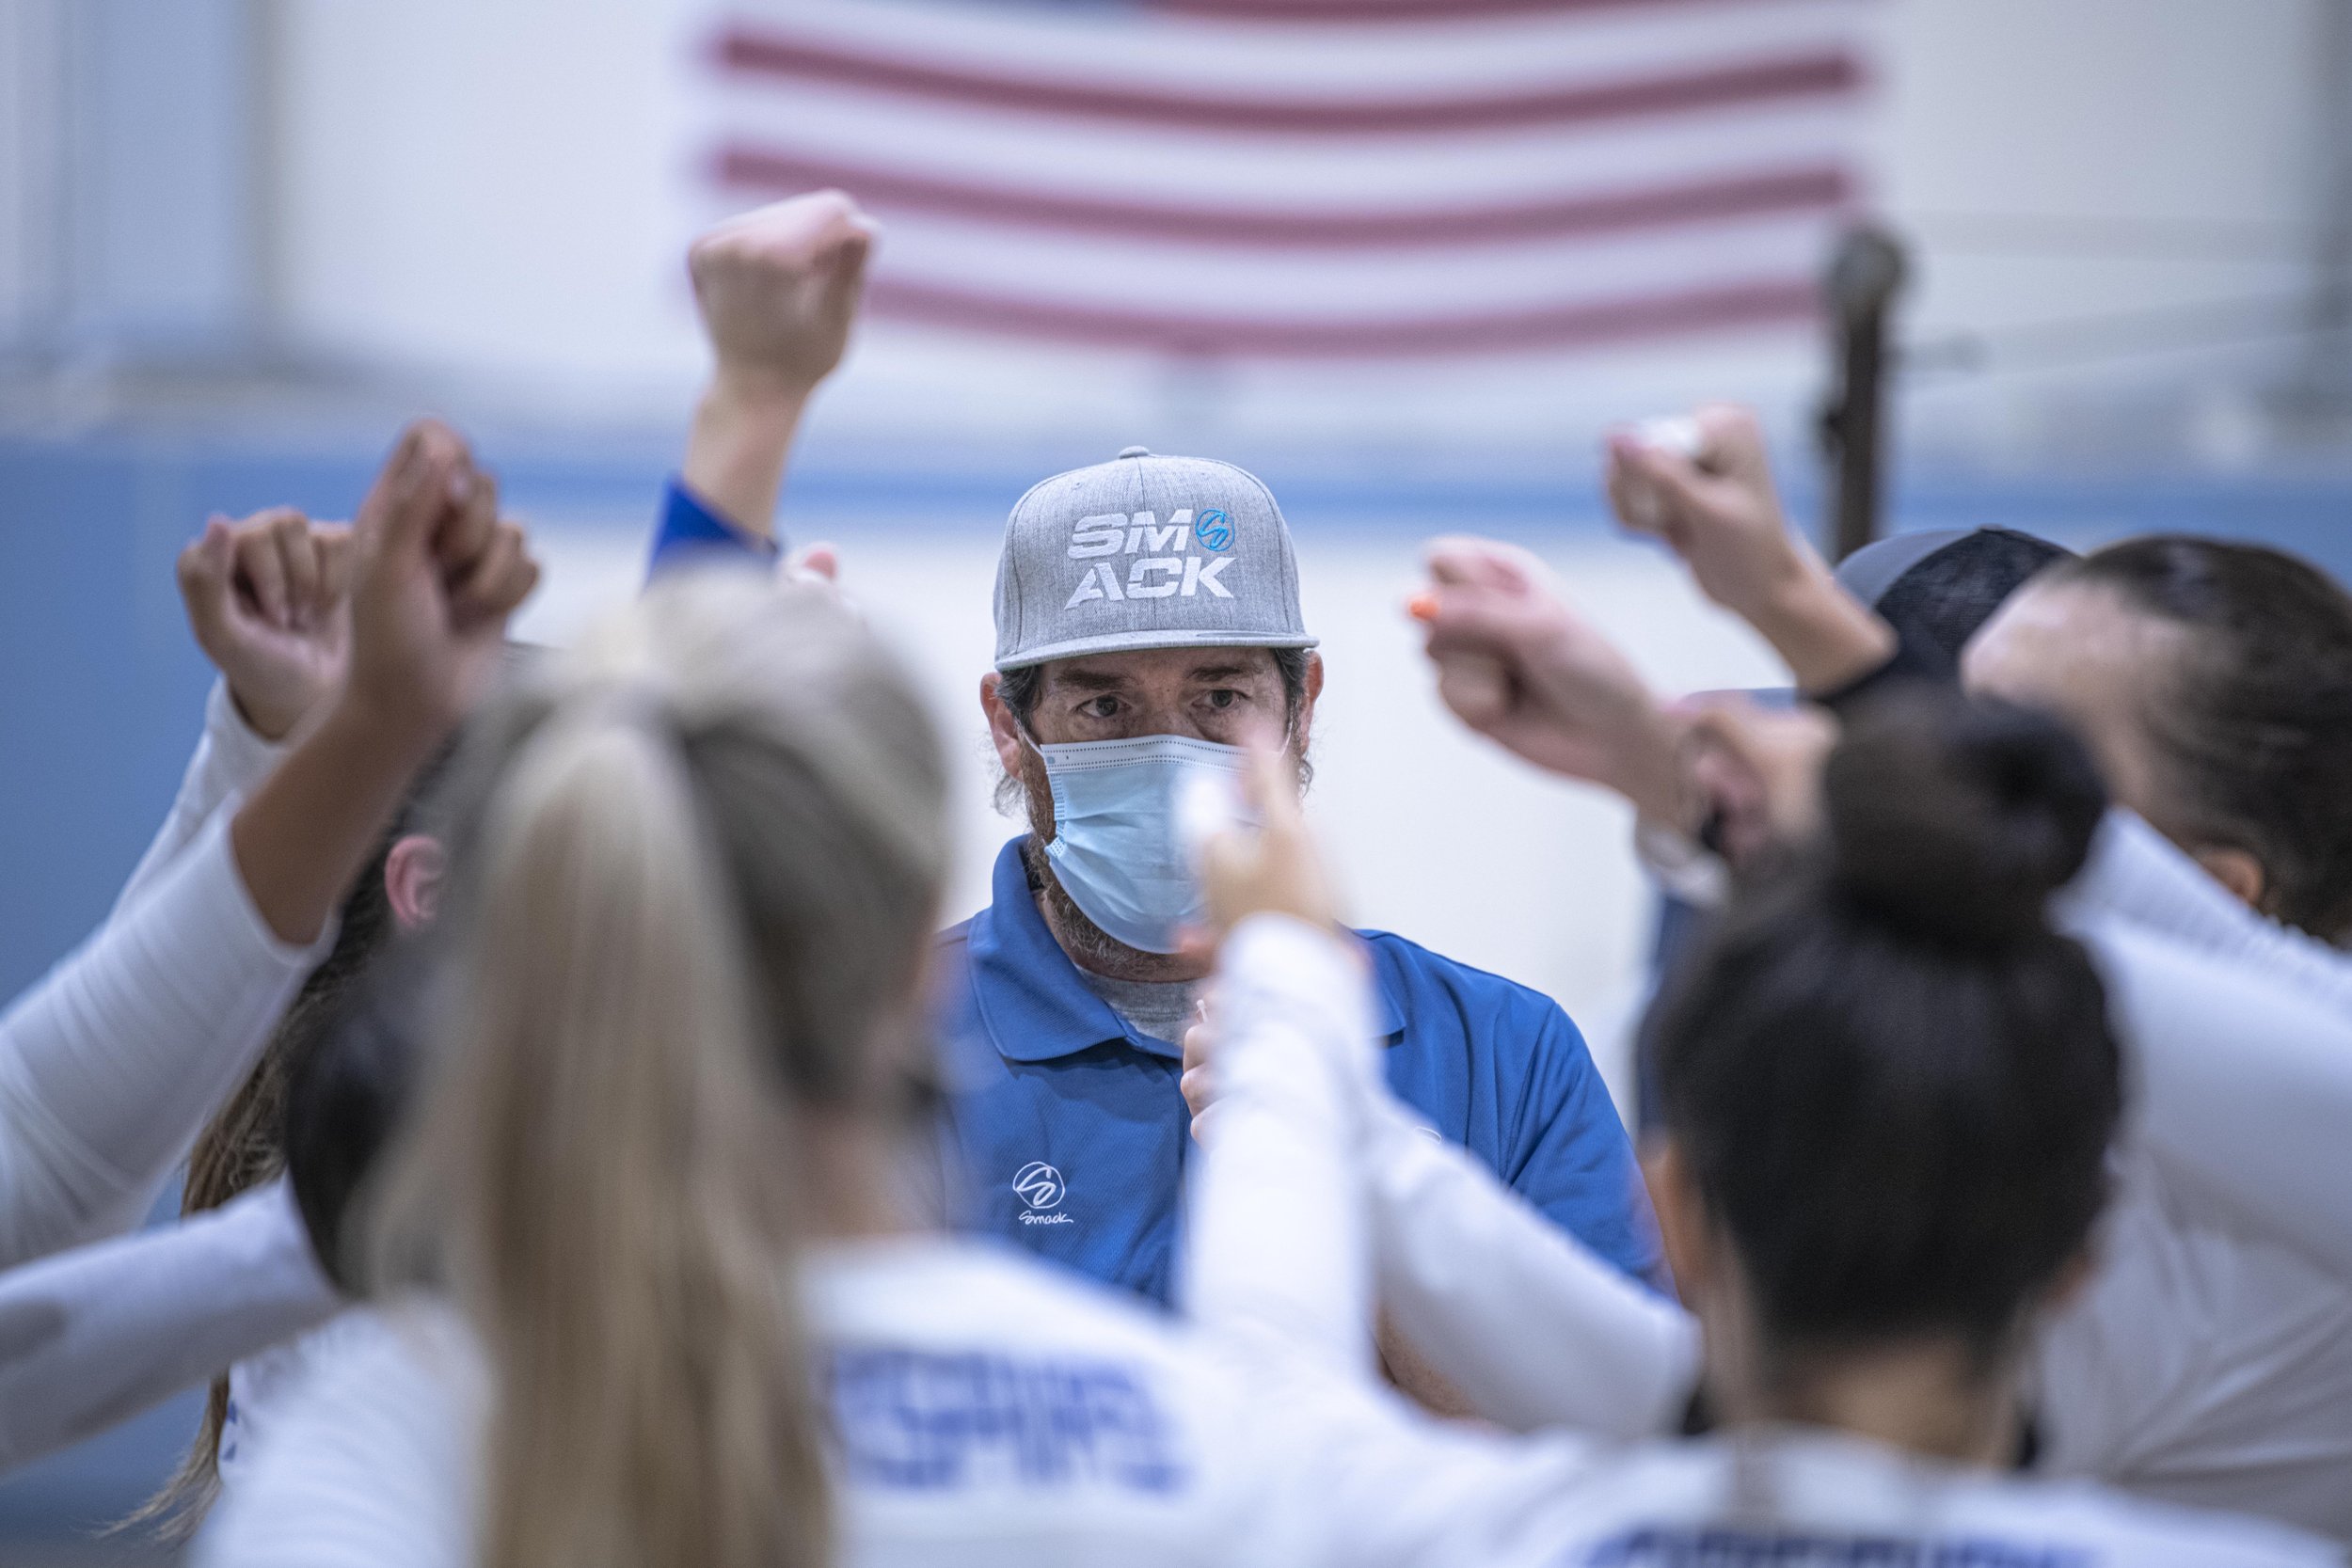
point(1571, 1158)
point(689, 530)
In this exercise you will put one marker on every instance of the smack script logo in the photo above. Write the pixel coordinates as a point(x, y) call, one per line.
point(1041, 1187)
point(1038, 1185)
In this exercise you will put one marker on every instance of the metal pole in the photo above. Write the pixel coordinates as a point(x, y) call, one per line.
point(1865, 275)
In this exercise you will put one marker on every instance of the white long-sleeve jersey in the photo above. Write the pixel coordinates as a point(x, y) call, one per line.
point(987, 1411)
point(93, 1334)
point(111, 1061)
point(2138, 875)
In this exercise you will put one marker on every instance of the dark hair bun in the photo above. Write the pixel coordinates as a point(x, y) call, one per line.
point(1955, 820)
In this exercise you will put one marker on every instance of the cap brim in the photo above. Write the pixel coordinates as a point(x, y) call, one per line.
point(1139, 641)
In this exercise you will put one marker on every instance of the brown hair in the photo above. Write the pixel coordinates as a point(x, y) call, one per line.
point(2252, 728)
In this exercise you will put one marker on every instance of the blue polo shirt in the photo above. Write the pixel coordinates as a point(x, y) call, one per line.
point(1073, 1133)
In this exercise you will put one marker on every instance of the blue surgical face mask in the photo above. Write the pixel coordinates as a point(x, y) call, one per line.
point(1119, 849)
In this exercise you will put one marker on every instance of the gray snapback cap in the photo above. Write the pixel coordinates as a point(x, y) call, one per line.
point(1145, 552)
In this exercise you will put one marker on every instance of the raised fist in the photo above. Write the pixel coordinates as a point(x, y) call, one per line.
point(1518, 666)
point(439, 572)
point(269, 599)
point(1714, 507)
point(778, 288)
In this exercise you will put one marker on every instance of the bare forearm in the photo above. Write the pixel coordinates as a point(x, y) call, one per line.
point(1649, 771)
point(1824, 634)
point(306, 833)
point(735, 453)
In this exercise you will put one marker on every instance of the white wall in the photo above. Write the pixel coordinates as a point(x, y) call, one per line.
point(2154, 162)
point(491, 193)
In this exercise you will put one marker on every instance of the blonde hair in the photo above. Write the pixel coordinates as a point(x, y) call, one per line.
point(698, 861)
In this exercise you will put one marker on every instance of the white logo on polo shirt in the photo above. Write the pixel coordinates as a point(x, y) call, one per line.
point(1041, 1187)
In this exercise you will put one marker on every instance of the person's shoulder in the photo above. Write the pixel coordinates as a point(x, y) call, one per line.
point(414, 1351)
point(956, 941)
point(1481, 991)
point(369, 1459)
point(974, 1289)
point(2136, 1531)
point(951, 971)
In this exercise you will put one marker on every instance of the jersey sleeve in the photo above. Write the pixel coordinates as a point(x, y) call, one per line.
point(1278, 1278)
point(90, 1336)
point(110, 1062)
point(1534, 1328)
point(231, 760)
point(1276, 1251)
point(1569, 1156)
point(690, 529)
point(2137, 874)
point(2242, 1089)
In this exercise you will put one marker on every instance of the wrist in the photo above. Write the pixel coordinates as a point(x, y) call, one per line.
point(268, 721)
point(1650, 771)
point(1824, 635)
point(752, 392)
point(395, 733)
point(735, 454)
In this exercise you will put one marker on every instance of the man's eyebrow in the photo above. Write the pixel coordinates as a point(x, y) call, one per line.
point(1091, 680)
point(1235, 670)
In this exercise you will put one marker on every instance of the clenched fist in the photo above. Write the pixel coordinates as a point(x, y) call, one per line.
point(438, 572)
point(269, 599)
point(778, 288)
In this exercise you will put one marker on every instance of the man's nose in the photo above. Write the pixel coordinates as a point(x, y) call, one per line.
point(1167, 718)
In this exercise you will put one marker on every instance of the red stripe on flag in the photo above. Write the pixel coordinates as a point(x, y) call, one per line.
point(1811, 188)
point(1580, 325)
point(1815, 73)
point(1357, 12)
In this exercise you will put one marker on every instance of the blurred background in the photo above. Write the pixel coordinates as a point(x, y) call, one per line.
point(1406, 259)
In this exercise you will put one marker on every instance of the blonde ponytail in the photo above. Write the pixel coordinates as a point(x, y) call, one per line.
point(687, 904)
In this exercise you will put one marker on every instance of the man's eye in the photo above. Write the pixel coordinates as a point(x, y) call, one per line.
point(1223, 698)
point(1101, 708)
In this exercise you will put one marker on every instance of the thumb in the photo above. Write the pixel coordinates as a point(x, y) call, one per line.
point(1270, 785)
point(1675, 476)
point(205, 568)
point(845, 279)
point(1731, 443)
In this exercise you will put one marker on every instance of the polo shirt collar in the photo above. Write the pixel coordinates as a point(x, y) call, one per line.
point(1033, 1002)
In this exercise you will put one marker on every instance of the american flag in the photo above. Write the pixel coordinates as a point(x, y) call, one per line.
point(1311, 179)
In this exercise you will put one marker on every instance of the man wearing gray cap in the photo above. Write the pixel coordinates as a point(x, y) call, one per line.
point(1147, 620)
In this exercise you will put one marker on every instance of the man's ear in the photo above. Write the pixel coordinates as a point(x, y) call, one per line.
point(1303, 723)
point(2238, 871)
point(1003, 728)
point(412, 881)
point(1681, 1214)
